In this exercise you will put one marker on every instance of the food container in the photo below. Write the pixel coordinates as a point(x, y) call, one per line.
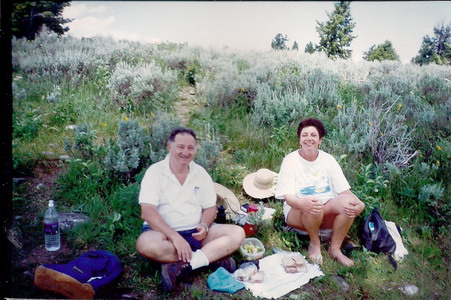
point(252, 249)
point(252, 208)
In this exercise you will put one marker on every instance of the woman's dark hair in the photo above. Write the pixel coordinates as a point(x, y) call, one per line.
point(312, 122)
point(181, 130)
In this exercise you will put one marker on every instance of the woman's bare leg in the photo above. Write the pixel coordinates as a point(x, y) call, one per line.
point(311, 224)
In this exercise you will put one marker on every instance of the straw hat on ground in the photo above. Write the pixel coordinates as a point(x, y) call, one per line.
point(227, 198)
point(261, 184)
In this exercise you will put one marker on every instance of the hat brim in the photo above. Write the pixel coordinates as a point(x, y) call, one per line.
point(251, 190)
point(227, 198)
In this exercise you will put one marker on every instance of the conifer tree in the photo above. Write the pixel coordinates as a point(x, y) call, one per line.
point(309, 48)
point(436, 49)
point(29, 16)
point(381, 52)
point(336, 33)
point(278, 43)
point(295, 46)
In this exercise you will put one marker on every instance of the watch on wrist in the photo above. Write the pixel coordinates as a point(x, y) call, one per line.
point(205, 225)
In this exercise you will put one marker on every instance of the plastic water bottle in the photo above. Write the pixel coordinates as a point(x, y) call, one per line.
point(51, 228)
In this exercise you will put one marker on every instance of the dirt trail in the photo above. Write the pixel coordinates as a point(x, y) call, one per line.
point(186, 104)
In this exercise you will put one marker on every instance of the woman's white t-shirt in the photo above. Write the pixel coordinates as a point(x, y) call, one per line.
point(322, 177)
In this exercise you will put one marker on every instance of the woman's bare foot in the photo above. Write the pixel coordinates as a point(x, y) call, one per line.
point(314, 253)
point(338, 255)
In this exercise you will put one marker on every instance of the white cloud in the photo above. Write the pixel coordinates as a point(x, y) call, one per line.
point(124, 35)
point(75, 10)
point(97, 26)
point(90, 26)
point(97, 9)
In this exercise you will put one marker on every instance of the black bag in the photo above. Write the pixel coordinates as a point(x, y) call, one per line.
point(374, 236)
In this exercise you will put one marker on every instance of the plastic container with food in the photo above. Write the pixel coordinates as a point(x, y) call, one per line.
point(252, 248)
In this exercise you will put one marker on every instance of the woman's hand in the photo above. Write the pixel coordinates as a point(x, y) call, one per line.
point(311, 205)
point(353, 206)
point(201, 232)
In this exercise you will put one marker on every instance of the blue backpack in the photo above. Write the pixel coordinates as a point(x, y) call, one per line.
point(79, 278)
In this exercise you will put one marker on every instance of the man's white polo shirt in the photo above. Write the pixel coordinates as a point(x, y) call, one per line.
point(180, 206)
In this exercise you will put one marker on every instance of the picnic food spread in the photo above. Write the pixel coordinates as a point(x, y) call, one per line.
point(250, 248)
point(294, 263)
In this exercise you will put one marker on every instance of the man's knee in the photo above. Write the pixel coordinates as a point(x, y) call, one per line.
point(146, 248)
point(234, 232)
point(239, 233)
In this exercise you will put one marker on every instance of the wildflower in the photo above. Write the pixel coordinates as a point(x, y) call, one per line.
point(399, 107)
point(339, 106)
point(439, 148)
point(437, 163)
point(103, 124)
point(242, 90)
point(125, 118)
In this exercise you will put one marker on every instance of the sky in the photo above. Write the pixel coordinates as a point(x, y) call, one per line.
point(253, 25)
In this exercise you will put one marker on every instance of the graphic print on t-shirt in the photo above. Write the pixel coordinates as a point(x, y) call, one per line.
point(314, 182)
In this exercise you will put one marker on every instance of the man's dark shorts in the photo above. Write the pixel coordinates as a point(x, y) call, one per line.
point(186, 234)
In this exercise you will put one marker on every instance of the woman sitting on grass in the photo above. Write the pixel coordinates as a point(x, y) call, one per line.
point(316, 193)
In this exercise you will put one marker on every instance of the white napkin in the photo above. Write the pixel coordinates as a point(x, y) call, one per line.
point(277, 282)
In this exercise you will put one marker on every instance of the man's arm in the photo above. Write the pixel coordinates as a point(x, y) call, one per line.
point(208, 216)
point(149, 213)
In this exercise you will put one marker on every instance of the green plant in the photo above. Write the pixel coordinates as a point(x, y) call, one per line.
point(208, 149)
point(27, 125)
point(127, 156)
point(82, 181)
point(370, 187)
point(256, 217)
point(83, 142)
point(191, 74)
point(161, 127)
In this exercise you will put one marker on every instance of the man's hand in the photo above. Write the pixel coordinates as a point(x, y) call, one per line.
point(182, 247)
point(201, 232)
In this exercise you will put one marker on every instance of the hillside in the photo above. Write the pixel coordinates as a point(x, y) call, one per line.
point(90, 115)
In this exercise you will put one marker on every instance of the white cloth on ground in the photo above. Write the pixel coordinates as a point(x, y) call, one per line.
point(400, 250)
point(277, 282)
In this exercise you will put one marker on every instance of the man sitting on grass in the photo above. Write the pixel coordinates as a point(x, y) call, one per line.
point(178, 205)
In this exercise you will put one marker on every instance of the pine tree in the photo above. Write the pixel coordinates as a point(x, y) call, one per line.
point(436, 49)
point(295, 46)
point(278, 43)
point(28, 17)
point(336, 34)
point(309, 48)
point(381, 52)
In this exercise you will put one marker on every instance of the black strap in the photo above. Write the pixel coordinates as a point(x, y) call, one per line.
point(393, 261)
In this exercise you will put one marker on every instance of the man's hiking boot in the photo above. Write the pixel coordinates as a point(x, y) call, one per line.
point(227, 263)
point(172, 273)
